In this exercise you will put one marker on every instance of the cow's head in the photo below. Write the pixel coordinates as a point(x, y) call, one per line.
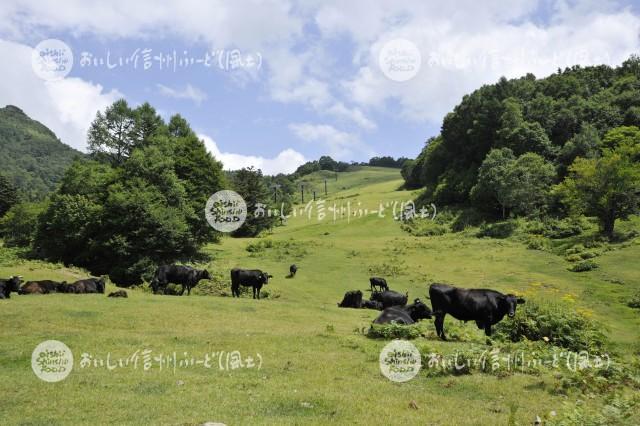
point(264, 277)
point(100, 284)
point(13, 284)
point(510, 302)
point(204, 275)
point(419, 310)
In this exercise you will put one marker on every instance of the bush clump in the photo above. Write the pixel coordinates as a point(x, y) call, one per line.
point(497, 230)
point(584, 266)
point(424, 228)
point(563, 228)
point(634, 302)
point(557, 324)
point(394, 331)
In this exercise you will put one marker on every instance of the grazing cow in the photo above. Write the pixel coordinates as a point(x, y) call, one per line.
point(390, 298)
point(292, 270)
point(89, 285)
point(43, 287)
point(485, 307)
point(186, 276)
point(381, 283)
point(372, 304)
point(351, 299)
point(118, 293)
point(404, 314)
point(8, 285)
point(254, 278)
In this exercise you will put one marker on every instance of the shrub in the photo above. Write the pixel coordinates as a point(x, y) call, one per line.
point(536, 243)
point(584, 266)
point(558, 324)
point(497, 230)
point(577, 249)
point(634, 302)
point(393, 331)
point(573, 258)
point(588, 255)
point(563, 228)
point(424, 228)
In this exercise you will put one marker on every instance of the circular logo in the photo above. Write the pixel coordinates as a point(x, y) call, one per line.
point(52, 361)
point(52, 59)
point(400, 59)
point(226, 211)
point(400, 361)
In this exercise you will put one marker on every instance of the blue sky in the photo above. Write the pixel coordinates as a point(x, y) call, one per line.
point(320, 88)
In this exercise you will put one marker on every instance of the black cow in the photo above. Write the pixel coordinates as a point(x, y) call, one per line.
point(292, 270)
point(186, 276)
point(254, 278)
point(404, 314)
point(371, 304)
point(485, 307)
point(390, 298)
point(8, 285)
point(381, 283)
point(118, 293)
point(89, 285)
point(43, 287)
point(351, 299)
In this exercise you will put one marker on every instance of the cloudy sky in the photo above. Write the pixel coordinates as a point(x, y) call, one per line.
point(275, 83)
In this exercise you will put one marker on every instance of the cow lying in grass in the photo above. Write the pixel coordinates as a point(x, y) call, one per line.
point(9, 285)
point(43, 287)
point(408, 314)
point(390, 298)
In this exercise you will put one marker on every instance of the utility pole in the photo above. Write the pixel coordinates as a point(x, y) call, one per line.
point(325, 187)
point(302, 191)
point(314, 195)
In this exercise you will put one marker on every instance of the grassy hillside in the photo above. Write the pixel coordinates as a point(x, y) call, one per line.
point(318, 367)
point(32, 157)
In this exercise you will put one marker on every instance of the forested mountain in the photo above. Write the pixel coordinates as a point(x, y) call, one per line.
point(32, 157)
point(559, 118)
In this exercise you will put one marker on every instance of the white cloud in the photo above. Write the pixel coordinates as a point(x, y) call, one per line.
point(66, 106)
point(287, 161)
point(340, 145)
point(188, 92)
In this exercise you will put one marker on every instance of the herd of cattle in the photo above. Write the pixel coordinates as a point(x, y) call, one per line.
point(14, 284)
point(485, 307)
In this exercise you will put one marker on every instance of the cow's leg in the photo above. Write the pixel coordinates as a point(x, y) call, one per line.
point(188, 290)
point(487, 329)
point(254, 292)
point(182, 291)
point(439, 323)
point(259, 288)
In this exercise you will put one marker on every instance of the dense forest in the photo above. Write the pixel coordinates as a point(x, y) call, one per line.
point(32, 157)
point(565, 143)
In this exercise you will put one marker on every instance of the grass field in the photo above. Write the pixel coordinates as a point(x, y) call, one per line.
point(317, 366)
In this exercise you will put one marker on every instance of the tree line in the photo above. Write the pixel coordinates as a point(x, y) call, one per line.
point(563, 145)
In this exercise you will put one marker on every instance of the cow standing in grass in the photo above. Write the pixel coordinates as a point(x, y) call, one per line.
point(186, 276)
point(254, 278)
point(485, 307)
point(292, 270)
point(379, 283)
